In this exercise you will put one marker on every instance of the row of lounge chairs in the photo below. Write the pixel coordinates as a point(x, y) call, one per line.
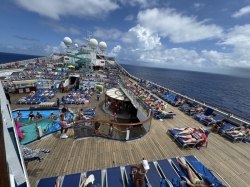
point(164, 173)
point(37, 97)
point(207, 118)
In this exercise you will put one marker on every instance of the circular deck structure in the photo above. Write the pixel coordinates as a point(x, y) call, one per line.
point(117, 94)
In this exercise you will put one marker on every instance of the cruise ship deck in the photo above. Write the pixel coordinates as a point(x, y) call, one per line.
point(68, 156)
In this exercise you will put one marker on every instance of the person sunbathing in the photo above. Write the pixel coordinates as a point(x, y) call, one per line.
point(185, 130)
point(164, 112)
point(239, 131)
point(196, 136)
point(199, 109)
point(178, 101)
point(194, 179)
point(216, 127)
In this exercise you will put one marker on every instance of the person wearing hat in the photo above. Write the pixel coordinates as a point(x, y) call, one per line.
point(194, 179)
point(138, 175)
point(196, 137)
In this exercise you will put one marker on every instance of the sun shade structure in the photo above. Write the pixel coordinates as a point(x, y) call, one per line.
point(117, 94)
point(24, 82)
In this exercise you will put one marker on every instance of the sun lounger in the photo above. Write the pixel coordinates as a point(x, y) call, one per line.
point(199, 117)
point(129, 178)
point(200, 169)
point(72, 180)
point(114, 177)
point(168, 171)
point(47, 182)
point(98, 176)
point(182, 172)
point(180, 140)
point(184, 108)
point(208, 121)
point(228, 127)
point(164, 116)
point(153, 176)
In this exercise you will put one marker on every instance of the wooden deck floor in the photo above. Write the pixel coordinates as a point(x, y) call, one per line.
point(230, 160)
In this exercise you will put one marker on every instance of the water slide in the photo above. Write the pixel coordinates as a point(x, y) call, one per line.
point(81, 60)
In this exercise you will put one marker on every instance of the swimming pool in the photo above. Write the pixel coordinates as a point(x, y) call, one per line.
point(47, 125)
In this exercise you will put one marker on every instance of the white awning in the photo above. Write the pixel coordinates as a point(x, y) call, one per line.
point(24, 82)
point(117, 94)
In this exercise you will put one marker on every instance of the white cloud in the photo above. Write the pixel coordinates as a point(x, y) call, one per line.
point(80, 42)
point(114, 52)
point(58, 8)
point(241, 12)
point(238, 38)
point(129, 17)
point(179, 28)
point(10, 47)
point(74, 31)
point(23, 48)
point(107, 33)
point(174, 57)
point(198, 5)
point(59, 28)
point(143, 38)
point(58, 49)
point(142, 3)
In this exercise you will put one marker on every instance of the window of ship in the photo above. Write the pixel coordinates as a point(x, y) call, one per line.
point(66, 58)
point(102, 61)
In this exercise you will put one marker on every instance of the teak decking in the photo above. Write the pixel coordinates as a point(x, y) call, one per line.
point(68, 156)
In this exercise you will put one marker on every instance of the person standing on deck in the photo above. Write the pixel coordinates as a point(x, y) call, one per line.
point(115, 116)
point(8, 96)
point(97, 96)
point(63, 124)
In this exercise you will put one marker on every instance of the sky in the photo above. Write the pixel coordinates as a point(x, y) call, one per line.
point(199, 35)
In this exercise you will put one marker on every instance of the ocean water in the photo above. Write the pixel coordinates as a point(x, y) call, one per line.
point(224, 91)
point(12, 57)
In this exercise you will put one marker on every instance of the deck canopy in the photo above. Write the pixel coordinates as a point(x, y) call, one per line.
point(117, 94)
point(25, 82)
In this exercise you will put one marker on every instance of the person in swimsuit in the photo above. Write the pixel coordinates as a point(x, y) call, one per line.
point(196, 136)
point(194, 179)
point(139, 174)
point(186, 130)
point(63, 123)
point(31, 115)
point(19, 115)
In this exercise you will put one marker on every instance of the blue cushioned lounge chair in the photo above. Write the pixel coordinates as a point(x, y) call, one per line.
point(201, 170)
point(208, 121)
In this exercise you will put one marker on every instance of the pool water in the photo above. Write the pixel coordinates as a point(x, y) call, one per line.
point(47, 125)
